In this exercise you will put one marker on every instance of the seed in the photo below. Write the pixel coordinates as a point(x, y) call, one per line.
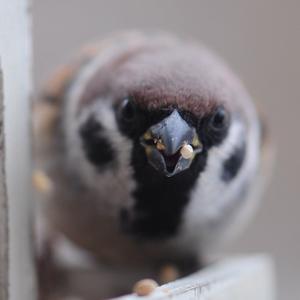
point(147, 136)
point(160, 146)
point(187, 151)
point(168, 273)
point(145, 287)
point(41, 182)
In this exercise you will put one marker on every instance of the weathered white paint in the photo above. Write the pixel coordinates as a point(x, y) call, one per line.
point(245, 278)
point(3, 207)
point(15, 53)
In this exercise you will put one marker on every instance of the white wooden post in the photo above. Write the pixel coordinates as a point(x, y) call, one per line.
point(3, 207)
point(16, 268)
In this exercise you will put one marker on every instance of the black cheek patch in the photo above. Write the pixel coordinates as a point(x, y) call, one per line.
point(234, 163)
point(97, 148)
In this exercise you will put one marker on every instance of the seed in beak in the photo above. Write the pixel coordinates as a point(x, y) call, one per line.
point(147, 136)
point(160, 146)
point(187, 151)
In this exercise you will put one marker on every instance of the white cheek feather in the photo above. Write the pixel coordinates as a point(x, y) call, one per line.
point(204, 222)
point(121, 145)
point(105, 182)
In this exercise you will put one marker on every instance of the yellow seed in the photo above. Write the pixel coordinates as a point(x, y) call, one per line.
point(168, 273)
point(41, 181)
point(147, 136)
point(160, 146)
point(196, 142)
point(187, 151)
point(145, 287)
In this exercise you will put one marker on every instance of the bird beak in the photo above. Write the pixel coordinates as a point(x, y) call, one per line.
point(171, 145)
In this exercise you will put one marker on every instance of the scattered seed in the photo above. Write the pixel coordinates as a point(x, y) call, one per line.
point(168, 273)
point(145, 287)
point(41, 181)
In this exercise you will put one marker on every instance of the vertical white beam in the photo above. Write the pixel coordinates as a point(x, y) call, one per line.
point(3, 206)
point(15, 53)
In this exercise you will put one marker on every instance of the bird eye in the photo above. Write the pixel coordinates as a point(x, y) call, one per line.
point(219, 119)
point(218, 124)
point(127, 110)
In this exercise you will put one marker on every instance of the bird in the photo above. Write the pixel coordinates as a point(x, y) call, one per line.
point(154, 151)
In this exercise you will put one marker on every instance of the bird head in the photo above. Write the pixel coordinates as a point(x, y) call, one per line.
point(171, 103)
point(152, 113)
point(168, 138)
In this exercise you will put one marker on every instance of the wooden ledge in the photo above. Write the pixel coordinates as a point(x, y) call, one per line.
point(239, 278)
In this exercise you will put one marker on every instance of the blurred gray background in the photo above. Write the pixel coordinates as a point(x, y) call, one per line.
point(259, 39)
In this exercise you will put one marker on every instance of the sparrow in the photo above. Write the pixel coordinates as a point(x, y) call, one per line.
point(154, 151)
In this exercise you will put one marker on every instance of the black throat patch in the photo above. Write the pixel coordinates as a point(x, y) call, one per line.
point(159, 200)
